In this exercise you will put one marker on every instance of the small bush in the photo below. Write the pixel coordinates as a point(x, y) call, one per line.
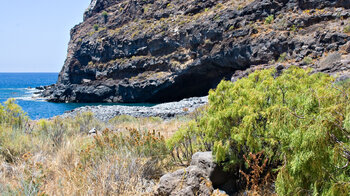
point(347, 29)
point(307, 60)
point(12, 115)
point(232, 27)
point(96, 27)
point(105, 16)
point(14, 138)
point(293, 28)
point(282, 57)
point(269, 19)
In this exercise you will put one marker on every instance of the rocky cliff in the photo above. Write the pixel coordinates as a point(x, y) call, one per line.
point(166, 50)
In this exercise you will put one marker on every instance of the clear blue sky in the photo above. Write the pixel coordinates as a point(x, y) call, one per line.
point(34, 34)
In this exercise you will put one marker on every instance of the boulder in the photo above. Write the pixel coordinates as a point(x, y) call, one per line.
point(346, 47)
point(189, 181)
point(329, 61)
point(200, 178)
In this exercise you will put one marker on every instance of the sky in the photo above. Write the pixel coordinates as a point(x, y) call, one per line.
point(34, 34)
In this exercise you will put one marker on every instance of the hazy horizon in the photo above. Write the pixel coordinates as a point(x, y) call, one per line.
point(29, 72)
point(34, 35)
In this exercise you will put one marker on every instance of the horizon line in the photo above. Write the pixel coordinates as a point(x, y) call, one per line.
point(30, 72)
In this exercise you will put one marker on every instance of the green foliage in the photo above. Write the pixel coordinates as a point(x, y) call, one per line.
point(188, 139)
point(185, 142)
point(300, 120)
point(232, 27)
point(12, 115)
point(293, 28)
point(105, 16)
point(53, 131)
point(282, 57)
point(307, 60)
point(96, 27)
point(347, 29)
point(217, 17)
point(13, 138)
point(269, 19)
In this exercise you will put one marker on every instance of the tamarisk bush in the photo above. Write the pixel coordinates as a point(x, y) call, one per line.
point(301, 121)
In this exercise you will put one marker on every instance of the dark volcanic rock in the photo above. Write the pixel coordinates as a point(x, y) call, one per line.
point(157, 51)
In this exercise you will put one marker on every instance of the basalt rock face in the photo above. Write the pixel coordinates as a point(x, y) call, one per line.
point(158, 51)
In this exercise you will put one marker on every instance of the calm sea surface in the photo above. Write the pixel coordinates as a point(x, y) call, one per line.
point(17, 85)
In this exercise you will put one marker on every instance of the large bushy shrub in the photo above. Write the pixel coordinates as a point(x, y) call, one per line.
point(12, 115)
point(301, 121)
point(13, 138)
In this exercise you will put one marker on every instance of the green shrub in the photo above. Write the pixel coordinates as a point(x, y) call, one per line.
point(96, 27)
point(307, 60)
point(293, 28)
point(12, 115)
point(269, 19)
point(301, 121)
point(105, 16)
point(282, 57)
point(232, 27)
point(185, 142)
point(14, 140)
point(347, 29)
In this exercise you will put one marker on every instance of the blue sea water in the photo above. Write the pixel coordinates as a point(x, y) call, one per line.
point(21, 87)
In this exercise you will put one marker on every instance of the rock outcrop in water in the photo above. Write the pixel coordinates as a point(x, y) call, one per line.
point(158, 51)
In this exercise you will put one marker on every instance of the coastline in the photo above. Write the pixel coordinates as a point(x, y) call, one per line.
point(105, 112)
point(165, 110)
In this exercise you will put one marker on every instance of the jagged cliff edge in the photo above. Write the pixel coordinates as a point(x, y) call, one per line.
point(158, 51)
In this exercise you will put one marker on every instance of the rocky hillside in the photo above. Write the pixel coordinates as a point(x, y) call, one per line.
point(166, 50)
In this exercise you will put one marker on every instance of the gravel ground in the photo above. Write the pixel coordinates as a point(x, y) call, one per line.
point(165, 110)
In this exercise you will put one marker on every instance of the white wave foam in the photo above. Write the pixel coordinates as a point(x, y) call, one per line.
point(14, 89)
point(30, 98)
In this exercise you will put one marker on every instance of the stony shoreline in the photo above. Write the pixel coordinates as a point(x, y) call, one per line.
point(165, 110)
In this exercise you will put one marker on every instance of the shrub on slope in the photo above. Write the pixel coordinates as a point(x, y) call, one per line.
point(300, 120)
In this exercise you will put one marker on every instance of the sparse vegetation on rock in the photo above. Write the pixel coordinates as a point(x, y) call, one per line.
point(191, 43)
point(269, 19)
point(96, 27)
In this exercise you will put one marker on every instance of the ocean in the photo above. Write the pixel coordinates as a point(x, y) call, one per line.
point(21, 86)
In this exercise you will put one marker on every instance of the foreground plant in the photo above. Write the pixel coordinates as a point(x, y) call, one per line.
point(301, 121)
point(50, 157)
